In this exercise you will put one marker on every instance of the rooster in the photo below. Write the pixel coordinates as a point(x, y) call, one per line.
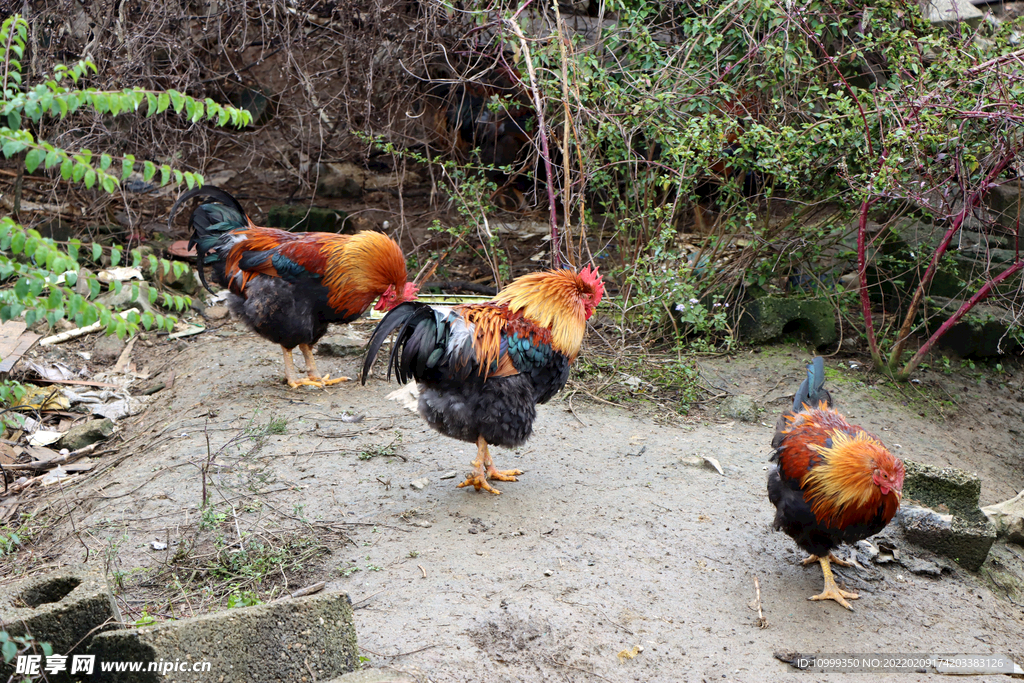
point(482, 368)
point(834, 482)
point(288, 287)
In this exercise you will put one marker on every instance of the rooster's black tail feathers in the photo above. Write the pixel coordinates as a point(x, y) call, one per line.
point(209, 223)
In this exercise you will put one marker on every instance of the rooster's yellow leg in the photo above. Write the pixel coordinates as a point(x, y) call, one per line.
point(832, 591)
point(811, 559)
point(289, 373)
point(311, 370)
point(492, 473)
point(478, 478)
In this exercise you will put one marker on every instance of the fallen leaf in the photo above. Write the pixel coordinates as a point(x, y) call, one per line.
point(629, 654)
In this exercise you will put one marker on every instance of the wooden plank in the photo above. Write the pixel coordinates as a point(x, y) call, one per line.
point(9, 333)
point(25, 342)
point(75, 381)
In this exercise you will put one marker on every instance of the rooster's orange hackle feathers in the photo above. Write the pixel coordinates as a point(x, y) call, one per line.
point(558, 300)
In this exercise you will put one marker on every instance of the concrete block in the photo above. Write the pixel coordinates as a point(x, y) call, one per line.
point(950, 12)
point(946, 489)
point(281, 641)
point(965, 540)
point(375, 676)
point(61, 608)
point(740, 407)
point(769, 317)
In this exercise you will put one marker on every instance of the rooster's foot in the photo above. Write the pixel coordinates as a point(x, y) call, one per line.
point(811, 559)
point(502, 475)
point(479, 481)
point(327, 381)
point(296, 383)
point(832, 591)
point(837, 594)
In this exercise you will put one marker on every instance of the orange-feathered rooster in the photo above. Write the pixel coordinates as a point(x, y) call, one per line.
point(482, 368)
point(834, 483)
point(288, 287)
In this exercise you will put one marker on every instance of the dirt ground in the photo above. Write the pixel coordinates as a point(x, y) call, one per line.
point(617, 537)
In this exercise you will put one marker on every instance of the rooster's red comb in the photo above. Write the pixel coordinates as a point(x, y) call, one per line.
point(593, 278)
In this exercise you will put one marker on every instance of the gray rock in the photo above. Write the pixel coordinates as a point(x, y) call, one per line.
point(61, 608)
point(216, 312)
point(1008, 518)
point(980, 332)
point(770, 317)
point(340, 345)
point(419, 484)
point(967, 541)
point(284, 640)
point(107, 349)
point(87, 433)
point(1006, 202)
point(741, 407)
point(916, 565)
point(946, 489)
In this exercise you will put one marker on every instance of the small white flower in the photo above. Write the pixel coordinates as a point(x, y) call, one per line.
point(694, 301)
point(680, 307)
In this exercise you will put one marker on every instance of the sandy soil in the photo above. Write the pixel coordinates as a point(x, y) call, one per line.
point(617, 535)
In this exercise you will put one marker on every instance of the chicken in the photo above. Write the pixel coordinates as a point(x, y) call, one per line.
point(834, 482)
point(288, 287)
point(482, 368)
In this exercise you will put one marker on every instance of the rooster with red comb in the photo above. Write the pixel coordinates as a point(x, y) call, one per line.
point(834, 483)
point(482, 368)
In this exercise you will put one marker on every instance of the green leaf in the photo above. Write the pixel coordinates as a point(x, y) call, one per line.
point(52, 158)
point(135, 292)
point(148, 170)
point(152, 294)
point(97, 251)
point(10, 650)
point(127, 165)
point(17, 242)
point(90, 177)
point(163, 101)
point(33, 159)
point(117, 286)
point(147, 320)
point(66, 167)
point(109, 184)
point(78, 172)
point(177, 100)
point(105, 161)
point(165, 174)
point(70, 278)
point(115, 256)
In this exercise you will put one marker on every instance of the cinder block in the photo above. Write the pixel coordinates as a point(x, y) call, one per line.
point(946, 489)
point(965, 540)
point(281, 641)
point(769, 317)
point(61, 608)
